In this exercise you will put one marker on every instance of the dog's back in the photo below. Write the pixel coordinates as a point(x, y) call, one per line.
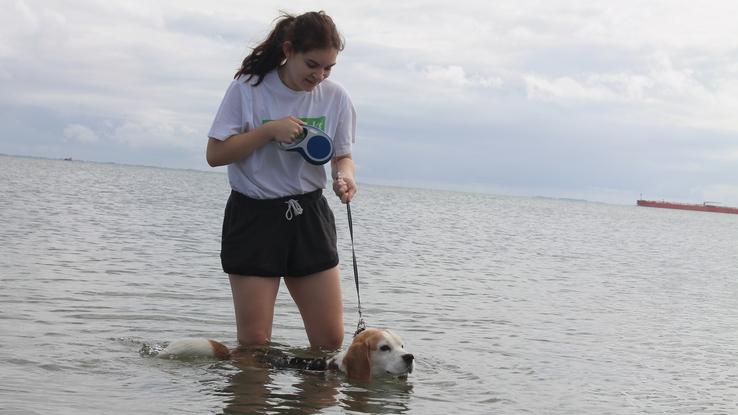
point(189, 348)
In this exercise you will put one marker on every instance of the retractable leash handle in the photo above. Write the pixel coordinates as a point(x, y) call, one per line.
point(361, 326)
point(314, 145)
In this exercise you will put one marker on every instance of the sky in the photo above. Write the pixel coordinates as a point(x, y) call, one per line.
point(597, 100)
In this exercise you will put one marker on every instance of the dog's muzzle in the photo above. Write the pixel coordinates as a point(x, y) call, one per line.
point(409, 359)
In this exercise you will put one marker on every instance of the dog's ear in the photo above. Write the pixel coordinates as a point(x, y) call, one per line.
point(356, 360)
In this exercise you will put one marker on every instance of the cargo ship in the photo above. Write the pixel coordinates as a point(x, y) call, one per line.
point(704, 207)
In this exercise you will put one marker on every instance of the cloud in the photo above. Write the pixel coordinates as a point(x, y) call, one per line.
point(456, 76)
point(618, 87)
point(80, 133)
point(728, 155)
point(160, 130)
point(569, 89)
point(659, 93)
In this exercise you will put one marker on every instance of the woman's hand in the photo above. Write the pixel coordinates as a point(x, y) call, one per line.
point(344, 186)
point(286, 130)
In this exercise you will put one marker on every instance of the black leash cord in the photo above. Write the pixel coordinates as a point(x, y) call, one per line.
point(361, 326)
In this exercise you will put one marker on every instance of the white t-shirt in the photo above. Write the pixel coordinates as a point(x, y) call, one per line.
point(270, 172)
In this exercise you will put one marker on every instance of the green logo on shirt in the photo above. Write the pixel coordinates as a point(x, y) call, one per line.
point(318, 122)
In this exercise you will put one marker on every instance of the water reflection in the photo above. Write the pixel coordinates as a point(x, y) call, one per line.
point(382, 396)
point(262, 390)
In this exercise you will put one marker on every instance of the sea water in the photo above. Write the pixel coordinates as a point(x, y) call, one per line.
point(510, 305)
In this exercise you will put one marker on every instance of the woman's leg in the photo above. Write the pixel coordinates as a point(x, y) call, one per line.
point(318, 297)
point(253, 301)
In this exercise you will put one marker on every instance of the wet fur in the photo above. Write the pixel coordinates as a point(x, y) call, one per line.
point(373, 352)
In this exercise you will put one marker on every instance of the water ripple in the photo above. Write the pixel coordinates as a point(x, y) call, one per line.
point(510, 305)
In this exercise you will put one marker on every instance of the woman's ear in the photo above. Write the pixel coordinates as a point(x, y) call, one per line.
point(287, 49)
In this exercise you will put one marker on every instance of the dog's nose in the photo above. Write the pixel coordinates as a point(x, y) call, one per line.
point(408, 358)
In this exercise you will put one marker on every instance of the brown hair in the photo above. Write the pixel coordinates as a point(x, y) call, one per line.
point(308, 31)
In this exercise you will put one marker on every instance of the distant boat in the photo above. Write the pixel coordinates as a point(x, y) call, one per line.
point(67, 159)
point(704, 207)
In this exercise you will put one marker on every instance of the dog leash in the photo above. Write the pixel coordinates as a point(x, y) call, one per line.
point(361, 326)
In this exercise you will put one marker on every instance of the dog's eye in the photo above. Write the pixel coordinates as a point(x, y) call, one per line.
point(385, 348)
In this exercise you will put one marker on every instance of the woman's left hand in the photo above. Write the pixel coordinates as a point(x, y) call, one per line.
point(345, 187)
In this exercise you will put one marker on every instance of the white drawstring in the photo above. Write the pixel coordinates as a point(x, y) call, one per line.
point(292, 207)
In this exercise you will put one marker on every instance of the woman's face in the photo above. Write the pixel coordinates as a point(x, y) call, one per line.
point(304, 71)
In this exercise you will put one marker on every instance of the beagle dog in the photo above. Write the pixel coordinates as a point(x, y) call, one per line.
point(373, 352)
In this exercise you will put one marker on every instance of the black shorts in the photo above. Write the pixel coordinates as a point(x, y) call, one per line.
point(291, 236)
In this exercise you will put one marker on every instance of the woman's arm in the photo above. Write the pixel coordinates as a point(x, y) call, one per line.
point(343, 171)
point(240, 146)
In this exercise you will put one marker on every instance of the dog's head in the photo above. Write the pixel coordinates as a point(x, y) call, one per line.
point(376, 352)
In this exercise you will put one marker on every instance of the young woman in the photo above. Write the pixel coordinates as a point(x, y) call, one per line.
point(277, 223)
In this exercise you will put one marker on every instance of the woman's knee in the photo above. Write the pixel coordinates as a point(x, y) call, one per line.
point(329, 340)
point(253, 338)
point(335, 342)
